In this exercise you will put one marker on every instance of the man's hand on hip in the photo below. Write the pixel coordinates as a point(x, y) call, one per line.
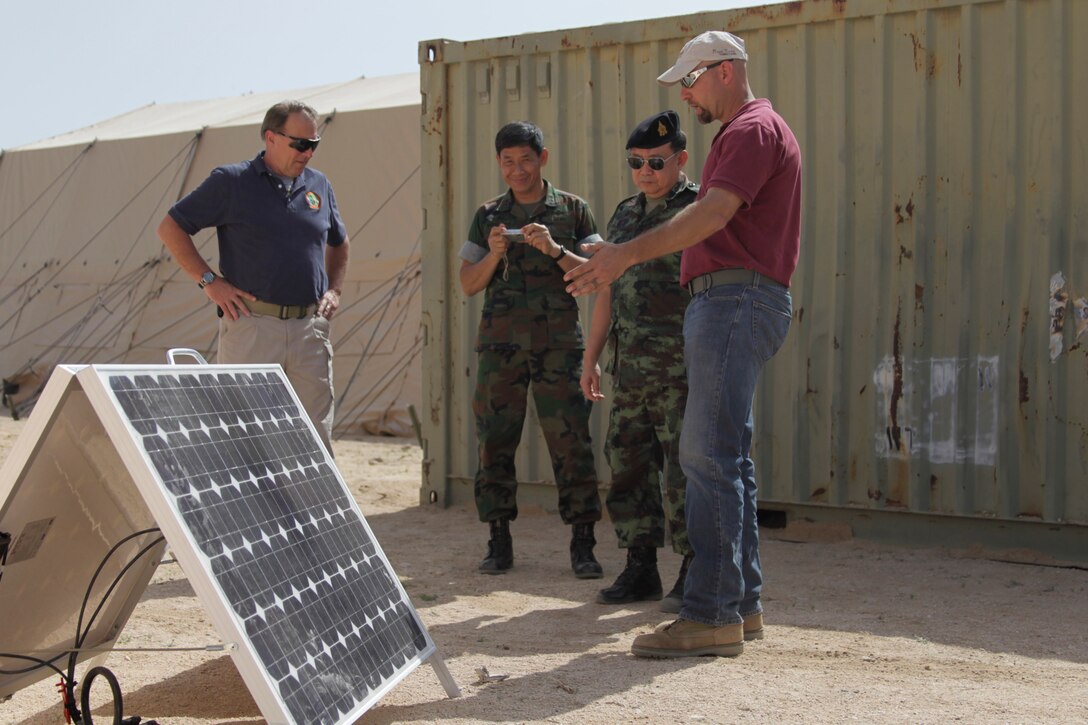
point(229, 298)
point(328, 304)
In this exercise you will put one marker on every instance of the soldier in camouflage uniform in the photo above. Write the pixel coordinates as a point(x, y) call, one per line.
point(530, 340)
point(642, 317)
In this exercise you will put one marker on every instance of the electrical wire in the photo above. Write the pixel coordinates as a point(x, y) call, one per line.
point(68, 679)
point(39, 664)
point(82, 636)
point(82, 633)
point(115, 691)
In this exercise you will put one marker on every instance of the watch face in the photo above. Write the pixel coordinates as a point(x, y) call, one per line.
point(207, 278)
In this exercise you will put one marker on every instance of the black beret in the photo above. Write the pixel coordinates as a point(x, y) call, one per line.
point(657, 130)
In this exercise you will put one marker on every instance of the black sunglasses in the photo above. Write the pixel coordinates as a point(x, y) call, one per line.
point(302, 145)
point(656, 162)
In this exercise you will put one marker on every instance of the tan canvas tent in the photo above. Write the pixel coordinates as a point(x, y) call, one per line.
point(84, 278)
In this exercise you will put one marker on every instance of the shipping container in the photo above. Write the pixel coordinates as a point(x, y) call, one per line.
point(935, 378)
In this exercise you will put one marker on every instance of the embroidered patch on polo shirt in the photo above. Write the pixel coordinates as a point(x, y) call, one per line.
point(313, 200)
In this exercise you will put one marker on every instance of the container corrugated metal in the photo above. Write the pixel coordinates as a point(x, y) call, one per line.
point(937, 360)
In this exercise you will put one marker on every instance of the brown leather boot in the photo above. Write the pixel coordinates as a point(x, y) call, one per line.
point(684, 638)
point(753, 626)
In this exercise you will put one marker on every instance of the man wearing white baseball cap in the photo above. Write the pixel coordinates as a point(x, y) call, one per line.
point(740, 242)
point(709, 48)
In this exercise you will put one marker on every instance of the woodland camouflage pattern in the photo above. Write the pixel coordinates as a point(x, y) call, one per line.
point(502, 386)
point(649, 383)
point(529, 333)
point(531, 309)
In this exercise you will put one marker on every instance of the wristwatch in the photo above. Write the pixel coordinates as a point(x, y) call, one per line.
point(562, 253)
point(206, 279)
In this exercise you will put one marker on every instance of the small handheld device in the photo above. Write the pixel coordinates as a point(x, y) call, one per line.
point(514, 235)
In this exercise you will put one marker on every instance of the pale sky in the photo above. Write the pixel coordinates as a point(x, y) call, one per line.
point(69, 64)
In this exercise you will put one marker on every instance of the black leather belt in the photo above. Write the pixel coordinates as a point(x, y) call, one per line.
point(730, 276)
point(283, 312)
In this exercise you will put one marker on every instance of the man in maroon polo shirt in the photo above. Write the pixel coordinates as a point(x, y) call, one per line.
point(740, 242)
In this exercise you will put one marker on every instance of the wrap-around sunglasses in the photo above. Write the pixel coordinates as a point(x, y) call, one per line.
point(302, 145)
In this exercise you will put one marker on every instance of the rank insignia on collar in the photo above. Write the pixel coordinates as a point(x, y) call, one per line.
point(313, 200)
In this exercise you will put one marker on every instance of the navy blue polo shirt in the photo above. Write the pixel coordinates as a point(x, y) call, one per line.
point(270, 244)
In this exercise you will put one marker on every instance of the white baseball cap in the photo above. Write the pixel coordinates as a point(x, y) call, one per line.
point(712, 46)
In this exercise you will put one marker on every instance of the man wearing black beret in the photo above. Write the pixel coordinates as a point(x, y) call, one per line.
point(642, 315)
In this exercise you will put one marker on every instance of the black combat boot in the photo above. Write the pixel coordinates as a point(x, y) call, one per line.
point(675, 598)
point(581, 552)
point(500, 549)
point(638, 581)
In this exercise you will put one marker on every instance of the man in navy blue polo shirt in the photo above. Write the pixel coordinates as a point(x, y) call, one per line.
point(283, 254)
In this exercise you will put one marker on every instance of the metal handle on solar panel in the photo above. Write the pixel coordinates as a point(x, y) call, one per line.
point(178, 351)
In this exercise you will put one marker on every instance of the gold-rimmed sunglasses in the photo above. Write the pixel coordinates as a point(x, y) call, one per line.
point(656, 162)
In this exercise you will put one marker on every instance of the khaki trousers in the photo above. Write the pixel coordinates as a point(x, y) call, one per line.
point(301, 347)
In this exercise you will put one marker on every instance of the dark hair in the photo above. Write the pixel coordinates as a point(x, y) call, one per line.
point(276, 117)
point(680, 142)
point(519, 133)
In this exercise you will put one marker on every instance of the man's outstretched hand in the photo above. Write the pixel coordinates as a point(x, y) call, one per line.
point(606, 263)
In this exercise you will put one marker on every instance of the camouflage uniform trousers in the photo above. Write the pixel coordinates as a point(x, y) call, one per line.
point(643, 449)
point(502, 388)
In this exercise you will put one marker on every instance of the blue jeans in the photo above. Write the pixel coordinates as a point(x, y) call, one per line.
point(730, 331)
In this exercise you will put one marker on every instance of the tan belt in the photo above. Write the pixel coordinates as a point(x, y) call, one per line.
point(730, 276)
point(283, 312)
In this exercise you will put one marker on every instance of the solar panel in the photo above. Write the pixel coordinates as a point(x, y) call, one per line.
point(268, 534)
point(66, 498)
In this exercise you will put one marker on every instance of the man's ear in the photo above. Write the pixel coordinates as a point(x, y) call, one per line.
point(728, 71)
point(544, 157)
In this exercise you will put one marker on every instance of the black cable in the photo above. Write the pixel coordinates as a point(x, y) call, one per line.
point(90, 587)
point(81, 633)
point(115, 689)
point(40, 663)
point(116, 581)
point(5, 543)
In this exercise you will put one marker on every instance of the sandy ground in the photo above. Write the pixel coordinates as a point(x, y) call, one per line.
point(855, 632)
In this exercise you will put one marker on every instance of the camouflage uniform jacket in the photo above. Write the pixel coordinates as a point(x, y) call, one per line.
point(530, 309)
point(648, 302)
